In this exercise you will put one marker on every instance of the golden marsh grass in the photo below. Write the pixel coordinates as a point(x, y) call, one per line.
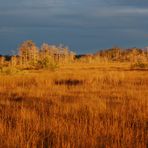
point(76, 106)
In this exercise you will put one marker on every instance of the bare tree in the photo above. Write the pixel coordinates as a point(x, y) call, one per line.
point(28, 52)
point(2, 60)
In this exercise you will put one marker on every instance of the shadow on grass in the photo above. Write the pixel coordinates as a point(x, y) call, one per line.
point(69, 82)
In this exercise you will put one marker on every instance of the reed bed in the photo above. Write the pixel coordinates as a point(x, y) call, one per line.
point(75, 106)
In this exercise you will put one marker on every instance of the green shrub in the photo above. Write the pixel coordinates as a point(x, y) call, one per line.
point(46, 63)
point(8, 70)
point(139, 65)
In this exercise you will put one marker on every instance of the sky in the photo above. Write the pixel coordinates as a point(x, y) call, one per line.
point(85, 26)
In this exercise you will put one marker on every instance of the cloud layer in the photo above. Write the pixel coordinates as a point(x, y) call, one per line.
point(84, 25)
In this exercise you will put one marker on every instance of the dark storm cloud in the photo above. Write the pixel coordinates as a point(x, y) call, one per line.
point(127, 2)
point(84, 25)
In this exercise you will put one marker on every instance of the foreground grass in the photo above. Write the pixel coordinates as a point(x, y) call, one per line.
point(75, 106)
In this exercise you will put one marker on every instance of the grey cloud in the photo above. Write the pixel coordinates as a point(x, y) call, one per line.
point(81, 24)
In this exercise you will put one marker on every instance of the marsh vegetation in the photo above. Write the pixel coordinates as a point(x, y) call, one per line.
point(86, 102)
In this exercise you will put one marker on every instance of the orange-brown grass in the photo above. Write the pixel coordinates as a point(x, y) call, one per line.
point(79, 105)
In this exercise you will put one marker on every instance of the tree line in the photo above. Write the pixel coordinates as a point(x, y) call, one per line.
point(30, 56)
point(124, 55)
point(49, 56)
